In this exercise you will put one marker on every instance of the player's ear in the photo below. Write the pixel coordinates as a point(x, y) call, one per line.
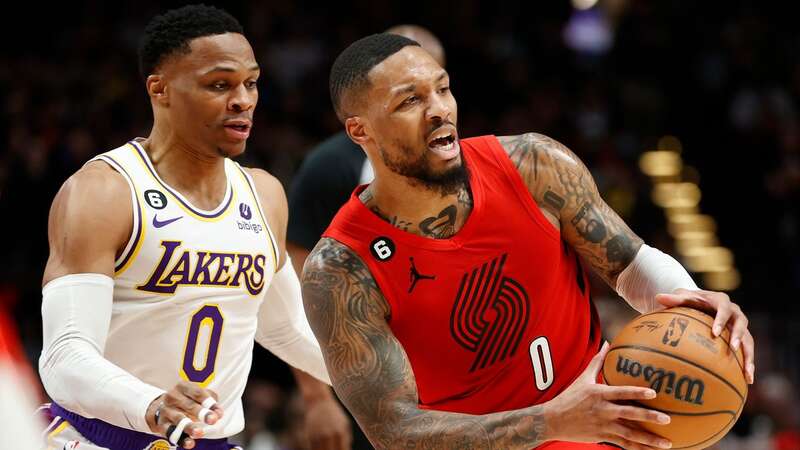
point(356, 129)
point(157, 88)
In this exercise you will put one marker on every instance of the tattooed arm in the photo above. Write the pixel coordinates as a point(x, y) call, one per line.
point(372, 376)
point(566, 192)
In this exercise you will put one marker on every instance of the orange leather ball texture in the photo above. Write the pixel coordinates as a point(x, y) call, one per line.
point(698, 378)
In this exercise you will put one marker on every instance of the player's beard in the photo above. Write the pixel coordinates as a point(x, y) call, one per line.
point(418, 169)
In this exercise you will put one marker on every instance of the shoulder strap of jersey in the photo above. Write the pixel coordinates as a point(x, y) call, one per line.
point(120, 160)
point(246, 184)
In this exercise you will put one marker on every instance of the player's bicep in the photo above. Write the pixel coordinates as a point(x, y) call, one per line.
point(367, 365)
point(90, 220)
point(563, 186)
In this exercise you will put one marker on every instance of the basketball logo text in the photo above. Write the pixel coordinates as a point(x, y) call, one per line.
point(685, 389)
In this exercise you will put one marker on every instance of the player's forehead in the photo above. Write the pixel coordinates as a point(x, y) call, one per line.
point(411, 65)
point(230, 51)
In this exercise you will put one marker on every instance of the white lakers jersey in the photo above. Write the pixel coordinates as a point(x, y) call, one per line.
point(188, 286)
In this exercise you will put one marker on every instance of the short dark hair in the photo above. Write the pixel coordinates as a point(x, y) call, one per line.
point(351, 67)
point(170, 33)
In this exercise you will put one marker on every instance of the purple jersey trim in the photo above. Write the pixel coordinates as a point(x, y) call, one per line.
point(174, 193)
point(110, 436)
point(138, 234)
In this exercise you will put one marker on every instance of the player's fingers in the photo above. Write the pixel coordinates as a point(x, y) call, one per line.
point(723, 315)
point(749, 349)
point(173, 419)
point(188, 406)
point(689, 299)
point(208, 411)
point(617, 393)
point(626, 444)
point(347, 439)
point(640, 414)
point(637, 437)
point(596, 364)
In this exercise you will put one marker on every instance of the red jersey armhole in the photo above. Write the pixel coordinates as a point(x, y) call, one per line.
point(351, 242)
point(520, 189)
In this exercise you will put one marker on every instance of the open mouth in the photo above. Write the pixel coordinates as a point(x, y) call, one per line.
point(443, 143)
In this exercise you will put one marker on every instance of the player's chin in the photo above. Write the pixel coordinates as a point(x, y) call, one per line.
point(231, 149)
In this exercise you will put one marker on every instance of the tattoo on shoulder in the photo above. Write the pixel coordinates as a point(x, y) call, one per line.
point(554, 200)
point(561, 184)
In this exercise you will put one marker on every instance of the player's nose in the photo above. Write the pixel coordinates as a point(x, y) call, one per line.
point(242, 99)
point(438, 109)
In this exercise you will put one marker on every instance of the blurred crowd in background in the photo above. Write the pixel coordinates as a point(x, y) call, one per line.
point(608, 81)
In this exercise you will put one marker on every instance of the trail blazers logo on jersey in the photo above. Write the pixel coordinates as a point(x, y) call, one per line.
point(205, 268)
point(490, 313)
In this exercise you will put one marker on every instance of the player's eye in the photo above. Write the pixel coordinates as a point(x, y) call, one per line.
point(252, 84)
point(219, 85)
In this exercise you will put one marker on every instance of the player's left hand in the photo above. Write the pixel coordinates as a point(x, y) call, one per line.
point(327, 426)
point(728, 314)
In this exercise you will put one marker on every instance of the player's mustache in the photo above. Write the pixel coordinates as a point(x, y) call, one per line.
point(435, 127)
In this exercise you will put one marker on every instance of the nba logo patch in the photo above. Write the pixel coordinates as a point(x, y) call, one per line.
point(244, 211)
point(160, 444)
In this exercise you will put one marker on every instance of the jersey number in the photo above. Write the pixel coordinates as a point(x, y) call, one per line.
point(542, 363)
point(202, 343)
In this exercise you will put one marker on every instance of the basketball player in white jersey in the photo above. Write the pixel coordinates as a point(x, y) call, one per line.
point(167, 260)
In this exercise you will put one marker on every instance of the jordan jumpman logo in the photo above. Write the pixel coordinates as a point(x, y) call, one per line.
point(416, 276)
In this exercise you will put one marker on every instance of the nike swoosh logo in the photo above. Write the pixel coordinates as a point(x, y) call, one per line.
point(158, 224)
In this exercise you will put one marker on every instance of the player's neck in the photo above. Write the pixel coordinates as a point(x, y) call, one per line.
point(197, 175)
point(417, 209)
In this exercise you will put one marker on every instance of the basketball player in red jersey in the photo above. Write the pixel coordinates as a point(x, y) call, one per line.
point(448, 295)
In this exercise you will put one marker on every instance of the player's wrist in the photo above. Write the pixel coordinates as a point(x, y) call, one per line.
point(151, 415)
point(551, 415)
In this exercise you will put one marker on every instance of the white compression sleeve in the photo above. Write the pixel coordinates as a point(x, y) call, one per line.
point(651, 272)
point(283, 328)
point(76, 313)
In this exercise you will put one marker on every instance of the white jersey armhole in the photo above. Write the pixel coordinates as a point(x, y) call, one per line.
point(136, 231)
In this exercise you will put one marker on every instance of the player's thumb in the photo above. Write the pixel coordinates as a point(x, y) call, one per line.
point(596, 364)
point(670, 300)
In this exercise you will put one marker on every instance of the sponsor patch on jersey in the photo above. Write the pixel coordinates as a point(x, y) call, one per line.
point(245, 211)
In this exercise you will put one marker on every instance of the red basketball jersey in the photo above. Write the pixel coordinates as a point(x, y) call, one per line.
point(497, 317)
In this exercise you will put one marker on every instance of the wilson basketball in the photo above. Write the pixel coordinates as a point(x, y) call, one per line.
point(698, 379)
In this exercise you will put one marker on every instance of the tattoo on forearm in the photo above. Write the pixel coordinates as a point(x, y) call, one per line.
point(563, 186)
point(620, 250)
point(372, 375)
point(589, 224)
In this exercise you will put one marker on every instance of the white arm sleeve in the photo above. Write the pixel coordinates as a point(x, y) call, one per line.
point(76, 313)
point(651, 272)
point(283, 328)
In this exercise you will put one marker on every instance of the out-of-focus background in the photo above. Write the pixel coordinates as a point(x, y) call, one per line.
point(686, 113)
